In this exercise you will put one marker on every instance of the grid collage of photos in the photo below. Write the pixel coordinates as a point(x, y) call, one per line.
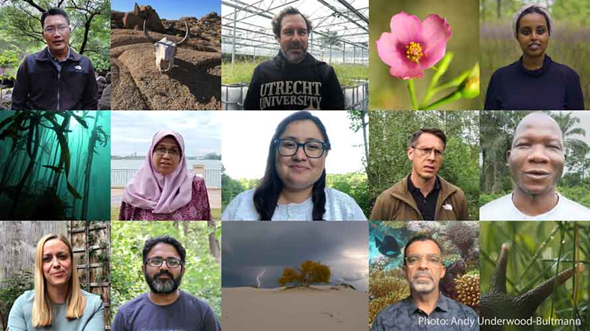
point(432, 159)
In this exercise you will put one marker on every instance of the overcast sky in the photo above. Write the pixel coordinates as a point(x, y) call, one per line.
point(247, 134)
point(249, 248)
point(132, 131)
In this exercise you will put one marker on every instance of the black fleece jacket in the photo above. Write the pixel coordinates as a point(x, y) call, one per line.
point(40, 86)
point(280, 85)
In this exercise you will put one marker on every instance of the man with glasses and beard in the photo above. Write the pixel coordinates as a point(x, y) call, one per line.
point(426, 308)
point(165, 307)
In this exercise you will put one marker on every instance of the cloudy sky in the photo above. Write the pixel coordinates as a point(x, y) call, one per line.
point(249, 248)
point(132, 131)
point(246, 137)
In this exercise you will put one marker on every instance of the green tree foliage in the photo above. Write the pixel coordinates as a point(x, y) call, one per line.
point(10, 289)
point(310, 272)
point(20, 27)
point(202, 275)
point(230, 189)
point(497, 132)
point(354, 184)
point(390, 134)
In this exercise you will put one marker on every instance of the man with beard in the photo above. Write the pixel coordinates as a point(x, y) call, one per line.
point(56, 78)
point(426, 308)
point(536, 160)
point(165, 307)
point(294, 79)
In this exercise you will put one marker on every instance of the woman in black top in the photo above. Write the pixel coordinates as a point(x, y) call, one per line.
point(534, 82)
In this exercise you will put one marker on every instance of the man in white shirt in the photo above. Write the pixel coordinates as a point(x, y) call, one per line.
point(536, 159)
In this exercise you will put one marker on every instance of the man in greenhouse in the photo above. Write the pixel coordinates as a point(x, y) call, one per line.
point(426, 308)
point(56, 78)
point(536, 159)
point(294, 79)
point(165, 307)
point(423, 195)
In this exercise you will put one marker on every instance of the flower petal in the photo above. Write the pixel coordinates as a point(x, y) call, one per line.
point(406, 27)
point(436, 31)
point(411, 70)
point(391, 50)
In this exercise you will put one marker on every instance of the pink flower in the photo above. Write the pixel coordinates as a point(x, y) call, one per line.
point(413, 46)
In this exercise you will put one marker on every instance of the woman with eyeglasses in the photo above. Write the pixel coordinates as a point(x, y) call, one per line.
point(57, 302)
point(162, 189)
point(294, 182)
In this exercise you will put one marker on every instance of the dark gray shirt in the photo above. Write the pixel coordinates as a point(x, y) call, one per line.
point(185, 314)
point(448, 315)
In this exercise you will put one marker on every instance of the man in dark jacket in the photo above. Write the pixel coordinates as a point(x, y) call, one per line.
point(56, 78)
point(423, 195)
point(294, 79)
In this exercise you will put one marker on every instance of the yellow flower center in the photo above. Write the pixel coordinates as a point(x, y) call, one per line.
point(414, 52)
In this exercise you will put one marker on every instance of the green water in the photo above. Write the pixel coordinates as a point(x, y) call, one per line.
point(54, 165)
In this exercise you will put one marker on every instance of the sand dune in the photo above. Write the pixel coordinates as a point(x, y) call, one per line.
point(322, 308)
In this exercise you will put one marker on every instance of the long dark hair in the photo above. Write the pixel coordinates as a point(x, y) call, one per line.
point(267, 193)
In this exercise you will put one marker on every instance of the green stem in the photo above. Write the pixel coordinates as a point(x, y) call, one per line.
point(412, 94)
point(449, 98)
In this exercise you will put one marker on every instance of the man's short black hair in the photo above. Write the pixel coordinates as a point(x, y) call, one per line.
point(421, 237)
point(52, 12)
point(150, 243)
point(276, 21)
point(435, 131)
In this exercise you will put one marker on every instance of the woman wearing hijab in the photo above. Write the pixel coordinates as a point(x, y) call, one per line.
point(534, 82)
point(162, 189)
point(294, 183)
point(57, 302)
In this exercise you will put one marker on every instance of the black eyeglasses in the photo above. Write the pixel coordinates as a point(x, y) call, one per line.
point(312, 149)
point(171, 262)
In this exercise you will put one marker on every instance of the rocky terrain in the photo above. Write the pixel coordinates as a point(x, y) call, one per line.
point(193, 83)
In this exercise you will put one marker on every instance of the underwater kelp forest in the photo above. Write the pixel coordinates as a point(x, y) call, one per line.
point(536, 273)
point(460, 244)
point(54, 165)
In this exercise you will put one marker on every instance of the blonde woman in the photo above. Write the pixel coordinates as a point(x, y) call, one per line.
point(57, 302)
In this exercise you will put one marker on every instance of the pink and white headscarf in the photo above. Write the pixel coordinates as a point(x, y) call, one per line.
point(150, 190)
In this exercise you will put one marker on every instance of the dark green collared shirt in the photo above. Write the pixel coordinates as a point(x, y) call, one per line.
point(448, 315)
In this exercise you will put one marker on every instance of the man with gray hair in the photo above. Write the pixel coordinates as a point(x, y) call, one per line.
point(426, 308)
point(294, 79)
point(536, 160)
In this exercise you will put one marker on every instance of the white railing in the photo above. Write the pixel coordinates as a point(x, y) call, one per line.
point(120, 177)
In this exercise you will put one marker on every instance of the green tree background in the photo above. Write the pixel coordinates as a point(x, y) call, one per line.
point(569, 43)
point(20, 28)
point(390, 132)
point(497, 131)
point(202, 277)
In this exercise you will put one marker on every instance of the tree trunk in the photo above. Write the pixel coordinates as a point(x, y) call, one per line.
point(213, 242)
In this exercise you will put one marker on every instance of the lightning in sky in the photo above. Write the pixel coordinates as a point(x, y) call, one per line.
point(258, 277)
